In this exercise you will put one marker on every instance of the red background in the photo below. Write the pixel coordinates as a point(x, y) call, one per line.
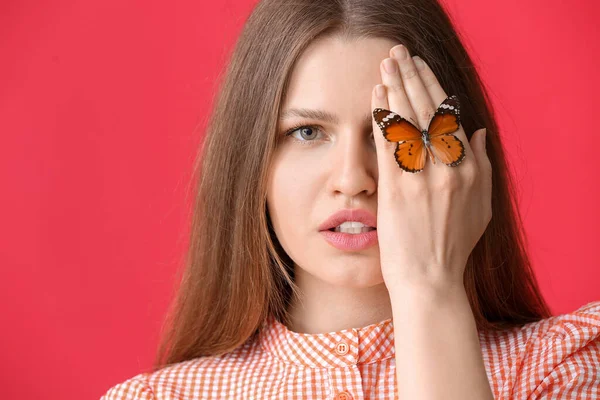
point(102, 105)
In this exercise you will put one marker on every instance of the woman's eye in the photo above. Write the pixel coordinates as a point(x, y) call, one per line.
point(307, 133)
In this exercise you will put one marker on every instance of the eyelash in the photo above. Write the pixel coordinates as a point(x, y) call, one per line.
point(305, 142)
point(295, 128)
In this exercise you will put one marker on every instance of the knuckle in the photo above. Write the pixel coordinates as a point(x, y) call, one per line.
point(449, 182)
point(428, 81)
point(425, 113)
point(470, 175)
point(418, 189)
point(395, 87)
point(409, 73)
point(487, 164)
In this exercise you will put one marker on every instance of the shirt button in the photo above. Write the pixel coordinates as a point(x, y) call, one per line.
point(342, 348)
point(343, 396)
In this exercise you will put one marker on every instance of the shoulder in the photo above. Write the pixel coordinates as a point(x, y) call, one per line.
point(136, 387)
point(567, 355)
point(202, 376)
point(551, 357)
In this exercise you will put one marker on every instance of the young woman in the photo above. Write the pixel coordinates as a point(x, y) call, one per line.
point(286, 296)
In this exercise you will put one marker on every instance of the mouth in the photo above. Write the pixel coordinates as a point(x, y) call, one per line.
point(334, 230)
point(352, 221)
point(353, 240)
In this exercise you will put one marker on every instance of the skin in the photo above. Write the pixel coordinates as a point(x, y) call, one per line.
point(427, 223)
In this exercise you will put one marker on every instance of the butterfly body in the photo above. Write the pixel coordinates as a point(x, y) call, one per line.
point(414, 145)
point(427, 144)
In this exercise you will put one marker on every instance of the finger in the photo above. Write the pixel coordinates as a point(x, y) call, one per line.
point(430, 82)
point(438, 95)
point(386, 161)
point(485, 167)
point(421, 103)
point(396, 97)
point(477, 144)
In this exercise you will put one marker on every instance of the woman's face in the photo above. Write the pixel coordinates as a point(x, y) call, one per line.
point(318, 171)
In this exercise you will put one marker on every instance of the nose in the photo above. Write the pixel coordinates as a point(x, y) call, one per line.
point(354, 164)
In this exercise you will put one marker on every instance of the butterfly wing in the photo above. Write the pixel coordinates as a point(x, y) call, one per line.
point(394, 127)
point(446, 119)
point(411, 155)
point(446, 147)
point(410, 152)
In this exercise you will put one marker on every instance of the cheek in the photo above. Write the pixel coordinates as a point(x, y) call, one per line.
point(295, 180)
point(291, 201)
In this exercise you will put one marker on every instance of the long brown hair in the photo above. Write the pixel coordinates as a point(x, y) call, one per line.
point(235, 271)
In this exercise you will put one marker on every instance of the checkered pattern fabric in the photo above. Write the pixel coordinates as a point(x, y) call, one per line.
point(556, 358)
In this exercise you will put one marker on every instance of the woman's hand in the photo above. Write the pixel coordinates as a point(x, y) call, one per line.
point(428, 222)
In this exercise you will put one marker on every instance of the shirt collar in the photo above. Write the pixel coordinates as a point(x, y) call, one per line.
point(364, 345)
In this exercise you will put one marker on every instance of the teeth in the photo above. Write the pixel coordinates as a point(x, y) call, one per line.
point(351, 224)
point(353, 227)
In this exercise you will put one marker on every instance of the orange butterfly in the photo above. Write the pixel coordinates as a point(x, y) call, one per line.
point(414, 145)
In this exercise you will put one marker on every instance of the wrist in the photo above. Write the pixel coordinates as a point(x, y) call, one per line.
point(427, 292)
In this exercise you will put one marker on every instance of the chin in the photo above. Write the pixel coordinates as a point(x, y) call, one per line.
point(357, 274)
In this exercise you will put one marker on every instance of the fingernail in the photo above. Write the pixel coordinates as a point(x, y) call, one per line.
point(400, 52)
point(418, 62)
point(389, 64)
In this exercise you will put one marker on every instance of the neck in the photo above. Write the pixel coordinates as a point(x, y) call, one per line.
point(323, 307)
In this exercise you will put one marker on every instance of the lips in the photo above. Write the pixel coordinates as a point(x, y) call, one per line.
point(351, 242)
point(349, 214)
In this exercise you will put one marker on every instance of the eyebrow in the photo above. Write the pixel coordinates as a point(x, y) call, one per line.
point(317, 115)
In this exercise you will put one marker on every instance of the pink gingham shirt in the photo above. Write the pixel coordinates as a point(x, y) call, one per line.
point(556, 358)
